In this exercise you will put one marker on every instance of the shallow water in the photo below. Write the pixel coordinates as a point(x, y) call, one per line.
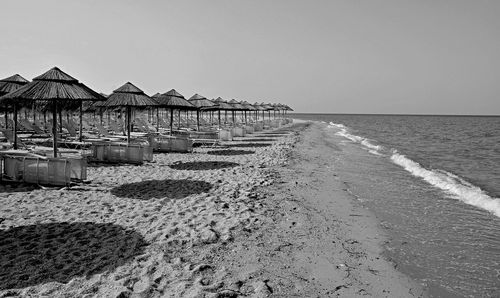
point(437, 201)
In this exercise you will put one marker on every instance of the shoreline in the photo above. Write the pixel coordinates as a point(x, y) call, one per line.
point(319, 240)
point(261, 217)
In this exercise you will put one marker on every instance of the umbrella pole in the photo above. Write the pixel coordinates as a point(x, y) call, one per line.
point(129, 115)
point(219, 119)
point(54, 127)
point(6, 119)
point(60, 120)
point(15, 126)
point(81, 120)
point(157, 119)
point(245, 117)
point(179, 121)
point(197, 120)
point(171, 121)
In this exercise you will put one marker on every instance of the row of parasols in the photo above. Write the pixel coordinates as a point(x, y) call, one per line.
point(55, 90)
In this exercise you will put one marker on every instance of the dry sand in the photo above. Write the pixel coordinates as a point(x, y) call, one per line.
point(259, 217)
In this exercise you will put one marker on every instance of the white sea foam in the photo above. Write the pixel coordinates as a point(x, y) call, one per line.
point(375, 152)
point(450, 183)
point(374, 149)
point(331, 125)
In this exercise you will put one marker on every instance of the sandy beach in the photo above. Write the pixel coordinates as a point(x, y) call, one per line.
point(262, 216)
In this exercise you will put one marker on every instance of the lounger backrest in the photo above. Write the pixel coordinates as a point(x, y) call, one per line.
point(39, 127)
point(73, 124)
point(9, 134)
point(103, 131)
point(116, 127)
point(70, 128)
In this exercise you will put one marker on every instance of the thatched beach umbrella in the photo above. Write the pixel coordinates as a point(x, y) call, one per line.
point(174, 100)
point(259, 107)
point(155, 96)
point(221, 105)
point(248, 107)
point(278, 108)
point(283, 109)
point(8, 85)
point(200, 102)
point(267, 108)
point(286, 109)
point(56, 88)
point(129, 96)
point(97, 106)
point(12, 83)
point(236, 107)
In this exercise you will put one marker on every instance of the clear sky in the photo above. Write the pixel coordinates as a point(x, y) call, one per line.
point(387, 56)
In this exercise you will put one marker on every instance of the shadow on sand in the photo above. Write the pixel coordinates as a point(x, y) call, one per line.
point(230, 152)
point(8, 187)
point(265, 139)
point(57, 252)
point(239, 145)
point(167, 189)
point(271, 136)
point(203, 165)
point(275, 134)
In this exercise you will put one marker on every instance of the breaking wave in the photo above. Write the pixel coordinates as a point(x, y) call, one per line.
point(451, 184)
point(374, 149)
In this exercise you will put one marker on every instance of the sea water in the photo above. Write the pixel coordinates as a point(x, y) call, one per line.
point(434, 183)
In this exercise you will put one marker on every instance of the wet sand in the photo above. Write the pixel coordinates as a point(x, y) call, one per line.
point(316, 239)
point(260, 216)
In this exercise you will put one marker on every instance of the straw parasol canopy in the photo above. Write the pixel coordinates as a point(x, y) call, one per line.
point(174, 100)
point(248, 106)
point(93, 106)
point(267, 107)
point(221, 105)
point(12, 83)
point(200, 102)
point(236, 105)
point(54, 87)
point(259, 107)
point(129, 96)
point(197, 96)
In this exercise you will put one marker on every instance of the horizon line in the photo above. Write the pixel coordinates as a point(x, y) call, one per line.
point(395, 114)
